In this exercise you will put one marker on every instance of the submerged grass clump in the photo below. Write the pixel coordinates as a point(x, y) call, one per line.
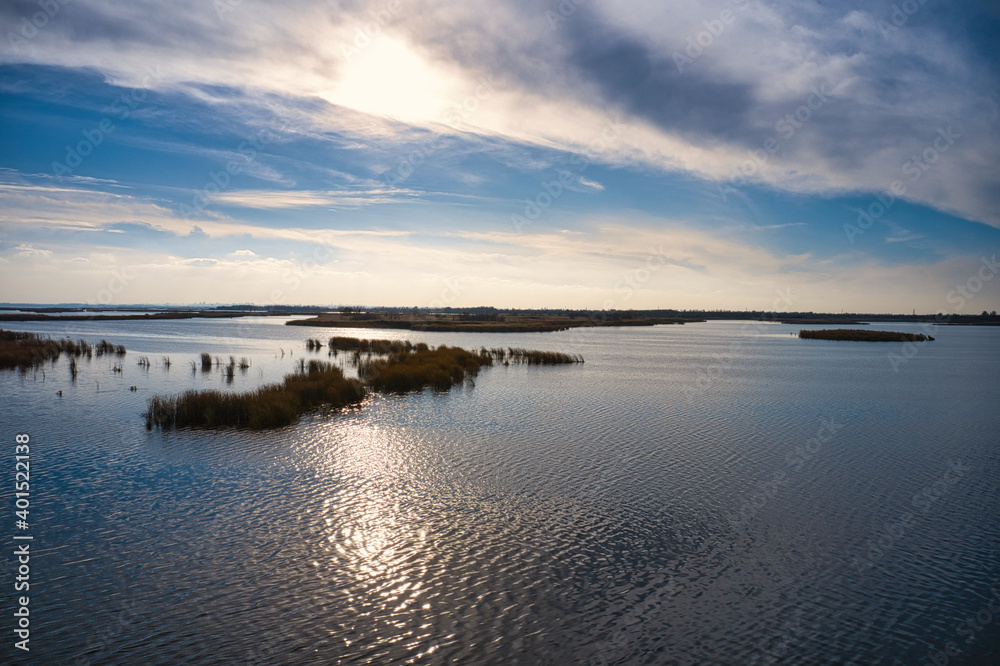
point(530, 356)
point(389, 366)
point(270, 406)
point(864, 336)
point(375, 346)
point(104, 347)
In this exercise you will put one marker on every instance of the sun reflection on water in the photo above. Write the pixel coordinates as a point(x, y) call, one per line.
point(378, 552)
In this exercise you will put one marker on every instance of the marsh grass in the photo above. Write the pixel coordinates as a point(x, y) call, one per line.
point(375, 346)
point(864, 336)
point(388, 366)
point(25, 351)
point(439, 368)
point(529, 356)
point(104, 347)
point(206, 362)
point(229, 371)
point(271, 406)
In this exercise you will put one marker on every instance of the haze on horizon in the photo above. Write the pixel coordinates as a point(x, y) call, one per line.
point(729, 154)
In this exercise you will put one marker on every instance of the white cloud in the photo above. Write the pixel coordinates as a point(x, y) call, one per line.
point(26, 250)
point(890, 94)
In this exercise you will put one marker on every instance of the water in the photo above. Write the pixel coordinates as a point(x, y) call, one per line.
point(709, 493)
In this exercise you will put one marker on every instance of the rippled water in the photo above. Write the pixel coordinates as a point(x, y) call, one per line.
point(708, 493)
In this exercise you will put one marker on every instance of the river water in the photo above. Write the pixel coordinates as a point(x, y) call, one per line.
point(714, 493)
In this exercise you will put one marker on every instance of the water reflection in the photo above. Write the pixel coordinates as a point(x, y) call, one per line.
point(561, 516)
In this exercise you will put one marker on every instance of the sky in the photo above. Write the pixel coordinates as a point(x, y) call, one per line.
point(818, 156)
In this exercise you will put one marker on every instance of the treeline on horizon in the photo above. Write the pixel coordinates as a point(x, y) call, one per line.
point(617, 315)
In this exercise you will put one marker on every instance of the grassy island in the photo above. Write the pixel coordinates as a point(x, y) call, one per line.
point(387, 366)
point(270, 406)
point(864, 336)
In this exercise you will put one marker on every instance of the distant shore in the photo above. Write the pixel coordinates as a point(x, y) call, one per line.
point(185, 314)
point(472, 319)
point(501, 324)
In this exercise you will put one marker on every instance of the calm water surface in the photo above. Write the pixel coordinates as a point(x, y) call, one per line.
point(717, 493)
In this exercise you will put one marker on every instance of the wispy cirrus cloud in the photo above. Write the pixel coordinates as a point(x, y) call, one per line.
point(267, 199)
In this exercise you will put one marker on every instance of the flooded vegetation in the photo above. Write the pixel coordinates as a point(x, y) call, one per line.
point(387, 366)
point(375, 346)
point(531, 356)
point(104, 347)
point(415, 370)
point(270, 406)
point(864, 336)
point(25, 351)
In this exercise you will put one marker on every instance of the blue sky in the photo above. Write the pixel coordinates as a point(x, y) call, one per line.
point(520, 154)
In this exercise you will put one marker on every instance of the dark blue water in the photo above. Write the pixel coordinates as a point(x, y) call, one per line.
point(709, 493)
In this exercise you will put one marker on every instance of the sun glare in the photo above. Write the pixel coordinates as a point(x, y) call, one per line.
point(388, 78)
